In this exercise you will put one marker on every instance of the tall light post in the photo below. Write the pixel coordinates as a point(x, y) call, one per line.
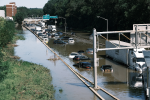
point(107, 23)
point(65, 24)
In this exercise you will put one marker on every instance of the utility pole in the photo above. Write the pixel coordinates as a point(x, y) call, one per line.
point(64, 24)
point(107, 23)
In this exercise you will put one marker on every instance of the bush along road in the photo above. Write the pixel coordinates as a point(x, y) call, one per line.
point(21, 80)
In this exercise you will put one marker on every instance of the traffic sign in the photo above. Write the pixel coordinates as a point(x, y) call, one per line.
point(55, 17)
point(46, 17)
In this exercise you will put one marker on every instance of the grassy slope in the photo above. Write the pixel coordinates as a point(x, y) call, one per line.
point(21, 80)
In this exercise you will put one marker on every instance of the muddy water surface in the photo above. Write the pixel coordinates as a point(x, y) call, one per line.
point(120, 83)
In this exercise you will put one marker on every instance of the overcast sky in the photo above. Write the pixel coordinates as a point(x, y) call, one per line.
point(25, 3)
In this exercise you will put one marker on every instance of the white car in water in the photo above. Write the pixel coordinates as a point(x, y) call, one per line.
point(71, 40)
point(73, 54)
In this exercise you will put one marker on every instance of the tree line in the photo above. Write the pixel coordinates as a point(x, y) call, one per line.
point(121, 14)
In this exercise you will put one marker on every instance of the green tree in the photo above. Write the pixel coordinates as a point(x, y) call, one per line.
point(19, 17)
point(7, 29)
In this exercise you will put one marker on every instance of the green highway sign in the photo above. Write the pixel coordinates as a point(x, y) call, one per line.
point(55, 17)
point(46, 17)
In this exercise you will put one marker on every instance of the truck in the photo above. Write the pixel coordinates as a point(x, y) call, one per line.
point(52, 27)
point(38, 30)
point(146, 74)
point(41, 24)
point(133, 58)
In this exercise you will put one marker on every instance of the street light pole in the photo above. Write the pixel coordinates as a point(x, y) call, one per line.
point(107, 23)
point(65, 23)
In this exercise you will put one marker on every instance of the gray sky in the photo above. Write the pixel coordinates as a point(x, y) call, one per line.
point(26, 3)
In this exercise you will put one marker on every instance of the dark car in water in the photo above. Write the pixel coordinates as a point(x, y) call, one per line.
point(59, 42)
point(64, 38)
point(73, 33)
point(59, 33)
point(106, 68)
point(81, 57)
point(81, 51)
point(86, 65)
point(32, 30)
point(40, 34)
point(48, 30)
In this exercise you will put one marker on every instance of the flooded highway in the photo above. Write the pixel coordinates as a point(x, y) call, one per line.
point(121, 83)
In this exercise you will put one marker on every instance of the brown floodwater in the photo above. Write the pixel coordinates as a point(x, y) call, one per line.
point(121, 83)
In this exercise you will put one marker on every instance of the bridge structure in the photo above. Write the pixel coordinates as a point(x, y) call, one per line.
point(36, 20)
point(139, 38)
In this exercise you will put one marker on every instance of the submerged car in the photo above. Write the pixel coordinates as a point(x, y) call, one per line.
point(48, 30)
point(59, 33)
point(86, 65)
point(56, 35)
point(49, 35)
point(81, 57)
point(73, 54)
point(73, 33)
point(106, 68)
point(45, 39)
point(32, 30)
point(38, 31)
point(71, 40)
point(59, 42)
point(89, 50)
point(64, 38)
point(81, 51)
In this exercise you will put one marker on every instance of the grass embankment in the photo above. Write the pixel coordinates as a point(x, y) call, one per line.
point(21, 80)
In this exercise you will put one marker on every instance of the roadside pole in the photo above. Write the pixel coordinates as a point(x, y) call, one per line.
point(95, 58)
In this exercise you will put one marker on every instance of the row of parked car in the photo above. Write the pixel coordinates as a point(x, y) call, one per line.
point(64, 40)
point(78, 56)
point(45, 34)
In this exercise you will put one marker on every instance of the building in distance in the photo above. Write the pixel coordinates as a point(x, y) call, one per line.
point(2, 13)
point(11, 9)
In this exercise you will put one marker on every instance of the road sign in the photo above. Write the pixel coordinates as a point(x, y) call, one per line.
point(54, 17)
point(46, 17)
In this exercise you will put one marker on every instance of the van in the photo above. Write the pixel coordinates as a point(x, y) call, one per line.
point(52, 27)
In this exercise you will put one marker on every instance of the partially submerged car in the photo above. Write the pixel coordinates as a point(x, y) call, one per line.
point(81, 51)
point(81, 57)
point(71, 40)
point(45, 39)
point(86, 65)
point(89, 50)
point(73, 54)
point(59, 42)
point(106, 68)
point(64, 38)
point(59, 33)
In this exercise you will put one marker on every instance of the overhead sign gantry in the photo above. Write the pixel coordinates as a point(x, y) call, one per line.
point(136, 29)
